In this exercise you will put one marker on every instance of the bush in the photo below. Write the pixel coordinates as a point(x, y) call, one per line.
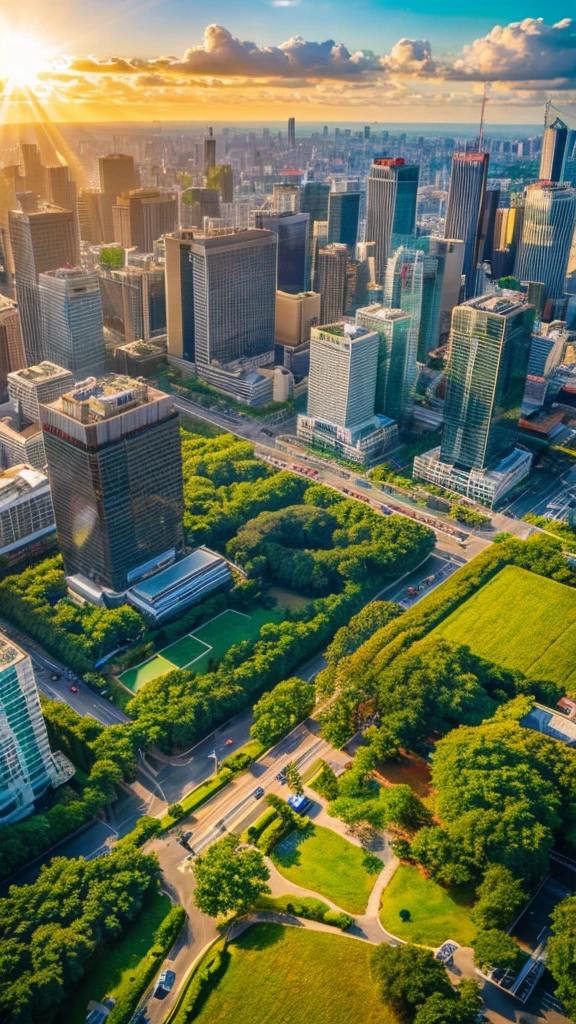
point(338, 918)
point(253, 832)
point(164, 939)
point(308, 907)
point(272, 834)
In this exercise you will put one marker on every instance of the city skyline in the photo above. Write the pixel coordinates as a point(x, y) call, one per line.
point(315, 61)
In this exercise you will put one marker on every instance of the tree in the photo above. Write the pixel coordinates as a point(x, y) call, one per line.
point(562, 953)
point(500, 897)
point(175, 810)
point(460, 1008)
point(404, 809)
point(326, 782)
point(278, 711)
point(406, 976)
point(229, 878)
point(294, 778)
point(496, 949)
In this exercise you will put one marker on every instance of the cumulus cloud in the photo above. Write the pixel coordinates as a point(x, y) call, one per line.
point(411, 57)
point(522, 51)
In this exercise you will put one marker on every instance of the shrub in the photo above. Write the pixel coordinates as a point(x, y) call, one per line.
point(338, 918)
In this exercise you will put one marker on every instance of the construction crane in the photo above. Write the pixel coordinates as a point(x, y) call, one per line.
point(482, 116)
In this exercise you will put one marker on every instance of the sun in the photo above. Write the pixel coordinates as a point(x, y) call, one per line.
point(21, 60)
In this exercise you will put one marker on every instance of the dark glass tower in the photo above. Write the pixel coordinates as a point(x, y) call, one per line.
point(554, 152)
point(466, 208)
point(343, 213)
point(292, 231)
point(391, 198)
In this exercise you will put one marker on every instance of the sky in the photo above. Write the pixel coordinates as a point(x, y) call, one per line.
point(318, 60)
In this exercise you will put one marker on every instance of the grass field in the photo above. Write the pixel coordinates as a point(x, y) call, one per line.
point(195, 650)
point(321, 860)
point(286, 975)
point(522, 621)
point(110, 971)
point(436, 914)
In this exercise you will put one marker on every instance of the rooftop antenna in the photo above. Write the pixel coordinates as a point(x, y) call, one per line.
point(482, 115)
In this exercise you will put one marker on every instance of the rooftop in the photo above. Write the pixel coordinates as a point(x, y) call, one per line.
point(349, 332)
point(94, 400)
point(16, 481)
point(40, 373)
point(501, 305)
point(384, 312)
point(196, 562)
point(9, 652)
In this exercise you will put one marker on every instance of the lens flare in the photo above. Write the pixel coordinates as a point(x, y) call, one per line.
point(22, 59)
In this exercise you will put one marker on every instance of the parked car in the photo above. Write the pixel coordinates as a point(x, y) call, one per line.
point(229, 743)
point(73, 688)
point(164, 984)
point(258, 793)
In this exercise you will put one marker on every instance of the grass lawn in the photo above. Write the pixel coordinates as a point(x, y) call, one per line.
point(212, 640)
point(321, 860)
point(112, 968)
point(436, 914)
point(286, 975)
point(522, 621)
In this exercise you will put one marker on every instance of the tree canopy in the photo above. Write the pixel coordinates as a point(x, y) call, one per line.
point(229, 878)
point(282, 708)
point(407, 976)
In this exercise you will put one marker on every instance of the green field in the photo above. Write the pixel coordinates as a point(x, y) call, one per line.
point(323, 861)
point(287, 975)
point(195, 650)
point(521, 621)
point(436, 914)
point(110, 971)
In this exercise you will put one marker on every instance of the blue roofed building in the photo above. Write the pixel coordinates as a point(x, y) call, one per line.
point(182, 584)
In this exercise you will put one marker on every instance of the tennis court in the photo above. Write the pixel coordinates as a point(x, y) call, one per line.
point(194, 651)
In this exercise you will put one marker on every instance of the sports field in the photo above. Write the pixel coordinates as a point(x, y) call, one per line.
point(522, 621)
point(195, 650)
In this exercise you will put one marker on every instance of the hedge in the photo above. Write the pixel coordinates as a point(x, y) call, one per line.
point(233, 765)
point(164, 938)
point(308, 907)
point(205, 975)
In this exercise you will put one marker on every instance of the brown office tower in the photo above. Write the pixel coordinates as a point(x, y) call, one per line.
point(333, 266)
point(117, 174)
point(115, 469)
point(11, 348)
point(43, 240)
point(141, 217)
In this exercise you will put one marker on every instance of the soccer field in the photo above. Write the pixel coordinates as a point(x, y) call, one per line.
point(195, 650)
point(522, 621)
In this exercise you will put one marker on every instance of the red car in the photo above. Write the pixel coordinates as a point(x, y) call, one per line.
point(229, 743)
point(74, 689)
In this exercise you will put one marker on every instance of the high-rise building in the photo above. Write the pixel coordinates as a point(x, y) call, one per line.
point(33, 171)
point(554, 152)
point(404, 289)
point(180, 295)
point(41, 241)
point(12, 355)
point(27, 765)
point(35, 385)
point(141, 217)
point(291, 133)
point(72, 319)
point(134, 301)
point(198, 203)
point(117, 174)
point(486, 376)
point(441, 292)
point(221, 177)
point(115, 469)
point(26, 515)
point(547, 232)
point(391, 198)
point(292, 231)
point(343, 213)
point(209, 152)
point(466, 207)
point(285, 198)
point(234, 280)
point(332, 282)
point(62, 190)
point(397, 372)
point(295, 317)
point(488, 225)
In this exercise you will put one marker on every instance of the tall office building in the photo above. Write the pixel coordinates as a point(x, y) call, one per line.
point(464, 212)
point(404, 289)
point(117, 174)
point(296, 315)
point(285, 198)
point(41, 241)
point(180, 295)
point(234, 280)
point(547, 232)
point(72, 320)
point(221, 177)
point(397, 371)
point(554, 152)
point(115, 469)
point(27, 765)
point(33, 386)
point(291, 133)
point(332, 282)
point(341, 394)
point(134, 301)
point(198, 203)
point(391, 198)
point(209, 152)
point(292, 231)
point(441, 292)
point(486, 376)
point(12, 355)
point(343, 213)
point(141, 217)
point(314, 197)
point(62, 190)
point(33, 171)
point(488, 225)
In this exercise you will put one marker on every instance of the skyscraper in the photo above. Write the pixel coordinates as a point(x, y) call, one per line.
point(72, 320)
point(141, 217)
point(554, 152)
point(343, 213)
point(234, 295)
point(115, 469)
point(547, 232)
point(61, 188)
point(404, 289)
point(221, 176)
point(35, 385)
point(466, 206)
point(209, 152)
point(27, 765)
point(396, 376)
point(180, 295)
point(488, 225)
point(134, 301)
point(41, 241)
point(314, 198)
point(12, 355)
point(291, 133)
point(285, 198)
point(332, 281)
point(117, 174)
point(391, 197)
point(198, 203)
point(292, 231)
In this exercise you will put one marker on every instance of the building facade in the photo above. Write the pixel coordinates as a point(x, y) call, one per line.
point(292, 231)
point(465, 208)
point(391, 198)
point(397, 370)
point(141, 217)
point(332, 282)
point(26, 512)
point(343, 214)
point(547, 232)
point(72, 318)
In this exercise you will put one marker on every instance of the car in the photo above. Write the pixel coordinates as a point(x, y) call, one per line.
point(281, 778)
point(164, 984)
point(74, 688)
point(54, 677)
point(187, 835)
point(258, 793)
point(229, 743)
point(140, 1016)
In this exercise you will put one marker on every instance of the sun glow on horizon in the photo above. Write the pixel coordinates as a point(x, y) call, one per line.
point(22, 59)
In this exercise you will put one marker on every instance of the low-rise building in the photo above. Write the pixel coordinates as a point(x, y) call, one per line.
point(182, 584)
point(486, 486)
point(26, 513)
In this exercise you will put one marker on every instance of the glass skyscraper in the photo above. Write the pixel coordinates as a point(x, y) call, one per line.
point(72, 321)
point(465, 208)
point(292, 231)
point(554, 151)
point(343, 213)
point(391, 198)
point(547, 232)
point(486, 375)
point(396, 376)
